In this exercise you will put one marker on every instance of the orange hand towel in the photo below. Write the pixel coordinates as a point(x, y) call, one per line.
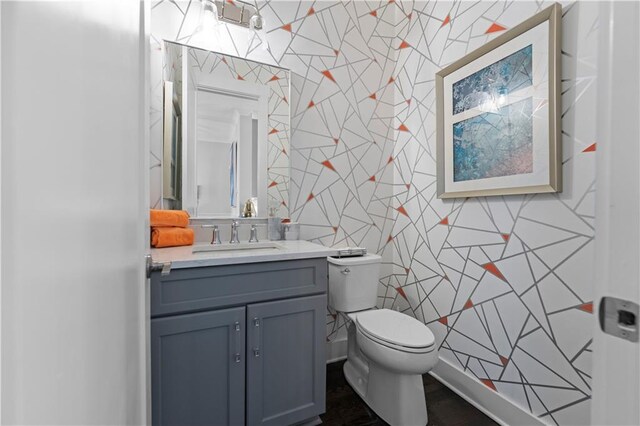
point(171, 237)
point(161, 218)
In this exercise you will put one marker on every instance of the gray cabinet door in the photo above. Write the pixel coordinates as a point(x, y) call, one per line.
point(286, 360)
point(198, 368)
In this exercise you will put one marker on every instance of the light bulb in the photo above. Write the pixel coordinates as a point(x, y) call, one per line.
point(256, 23)
point(209, 24)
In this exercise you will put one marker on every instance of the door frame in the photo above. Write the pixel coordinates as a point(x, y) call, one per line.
point(616, 362)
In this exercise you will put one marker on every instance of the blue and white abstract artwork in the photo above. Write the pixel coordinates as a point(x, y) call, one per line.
point(498, 141)
point(505, 76)
point(494, 144)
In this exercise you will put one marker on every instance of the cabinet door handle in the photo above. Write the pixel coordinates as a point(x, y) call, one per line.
point(256, 322)
point(237, 357)
point(256, 352)
point(237, 325)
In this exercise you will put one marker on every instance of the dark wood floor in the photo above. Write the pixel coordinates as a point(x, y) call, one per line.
point(445, 408)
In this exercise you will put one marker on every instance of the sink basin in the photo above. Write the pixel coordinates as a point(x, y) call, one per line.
point(236, 247)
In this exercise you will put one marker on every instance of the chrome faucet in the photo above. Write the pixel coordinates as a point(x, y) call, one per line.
point(234, 233)
point(254, 234)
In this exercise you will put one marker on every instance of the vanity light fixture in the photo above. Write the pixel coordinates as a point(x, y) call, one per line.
point(236, 12)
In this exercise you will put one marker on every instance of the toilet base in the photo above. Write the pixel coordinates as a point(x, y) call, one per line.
point(398, 399)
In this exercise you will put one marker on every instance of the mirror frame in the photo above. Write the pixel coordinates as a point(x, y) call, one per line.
point(272, 183)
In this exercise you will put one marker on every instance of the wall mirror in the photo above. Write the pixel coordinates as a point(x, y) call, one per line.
point(226, 134)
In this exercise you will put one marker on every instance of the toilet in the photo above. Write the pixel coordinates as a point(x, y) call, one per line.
point(388, 351)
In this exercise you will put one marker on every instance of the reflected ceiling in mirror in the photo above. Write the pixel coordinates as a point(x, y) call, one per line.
point(230, 142)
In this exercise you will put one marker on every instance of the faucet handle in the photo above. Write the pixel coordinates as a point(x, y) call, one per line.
point(215, 237)
point(234, 232)
point(254, 234)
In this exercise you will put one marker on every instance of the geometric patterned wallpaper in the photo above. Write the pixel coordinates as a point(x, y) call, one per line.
point(503, 282)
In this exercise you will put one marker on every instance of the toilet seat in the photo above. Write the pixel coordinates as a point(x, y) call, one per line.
point(395, 330)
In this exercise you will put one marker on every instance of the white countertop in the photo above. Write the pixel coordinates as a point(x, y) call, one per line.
point(183, 257)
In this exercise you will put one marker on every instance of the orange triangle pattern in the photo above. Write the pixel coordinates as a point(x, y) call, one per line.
point(590, 148)
point(402, 210)
point(328, 74)
point(401, 292)
point(494, 28)
point(404, 45)
point(587, 307)
point(328, 165)
point(488, 383)
point(492, 268)
point(287, 27)
point(446, 21)
point(444, 221)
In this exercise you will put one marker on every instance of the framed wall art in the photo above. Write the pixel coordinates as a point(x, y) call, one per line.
point(498, 114)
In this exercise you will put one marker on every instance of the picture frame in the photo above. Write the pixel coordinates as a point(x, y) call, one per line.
point(499, 114)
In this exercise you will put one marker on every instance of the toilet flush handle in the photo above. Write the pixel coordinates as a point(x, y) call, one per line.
point(346, 271)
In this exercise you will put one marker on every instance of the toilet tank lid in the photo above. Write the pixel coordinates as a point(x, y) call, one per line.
point(357, 260)
point(396, 328)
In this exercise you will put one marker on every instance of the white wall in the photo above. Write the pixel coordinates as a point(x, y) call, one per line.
point(72, 213)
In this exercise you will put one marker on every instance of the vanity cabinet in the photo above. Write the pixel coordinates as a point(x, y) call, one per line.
point(198, 370)
point(239, 344)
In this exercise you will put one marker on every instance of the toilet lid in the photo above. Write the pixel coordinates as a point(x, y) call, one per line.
point(395, 328)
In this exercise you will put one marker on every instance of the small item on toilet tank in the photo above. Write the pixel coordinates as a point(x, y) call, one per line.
point(292, 231)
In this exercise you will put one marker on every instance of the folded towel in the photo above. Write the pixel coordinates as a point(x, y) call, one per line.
point(161, 218)
point(171, 237)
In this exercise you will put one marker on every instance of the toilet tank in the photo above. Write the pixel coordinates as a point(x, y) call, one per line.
point(353, 282)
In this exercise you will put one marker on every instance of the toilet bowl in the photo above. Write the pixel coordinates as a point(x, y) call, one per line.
point(388, 351)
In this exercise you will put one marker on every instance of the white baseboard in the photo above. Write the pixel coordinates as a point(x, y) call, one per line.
point(484, 399)
point(336, 350)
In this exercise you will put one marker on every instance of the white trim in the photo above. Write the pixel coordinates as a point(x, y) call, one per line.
point(1, 422)
point(145, 68)
point(616, 364)
point(336, 350)
point(491, 403)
